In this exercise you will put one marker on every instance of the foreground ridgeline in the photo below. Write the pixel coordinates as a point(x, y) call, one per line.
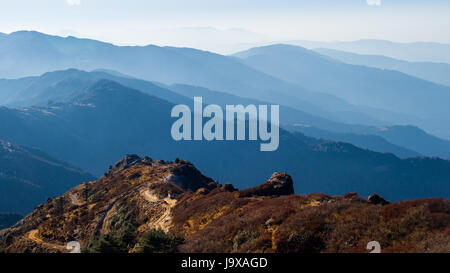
point(145, 205)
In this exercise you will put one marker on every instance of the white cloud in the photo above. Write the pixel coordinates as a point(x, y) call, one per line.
point(77, 2)
point(374, 2)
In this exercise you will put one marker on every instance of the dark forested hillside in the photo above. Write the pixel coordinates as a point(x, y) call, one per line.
point(8, 219)
point(29, 176)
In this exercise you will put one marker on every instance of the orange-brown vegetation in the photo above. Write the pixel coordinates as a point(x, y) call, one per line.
point(142, 205)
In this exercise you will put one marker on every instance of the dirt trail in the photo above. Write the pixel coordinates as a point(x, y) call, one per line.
point(74, 199)
point(33, 236)
point(165, 219)
point(149, 196)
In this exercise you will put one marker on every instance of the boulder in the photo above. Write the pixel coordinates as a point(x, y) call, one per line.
point(229, 187)
point(377, 200)
point(278, 184)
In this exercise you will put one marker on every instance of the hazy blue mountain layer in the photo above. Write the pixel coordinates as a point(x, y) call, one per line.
point(435, 72)
point(383, 89)
point(62, 86)
point(414, 52)
point(370, 142)
point(32, 53)
point(109, 120)
point(367, 137)
point(379, 138)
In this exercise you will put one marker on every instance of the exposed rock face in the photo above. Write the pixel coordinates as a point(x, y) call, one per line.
point(278, 184)
point(377, 200)
point(131, 160)
point(229, 187)
point(351, 195)
point(189, 178)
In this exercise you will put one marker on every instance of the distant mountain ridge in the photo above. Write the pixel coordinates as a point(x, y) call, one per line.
point(371, 142)
point(110, 120)
point(403, 136)
point(65, 85)
point(425, 102)
point(414, 52)
point(435, 72)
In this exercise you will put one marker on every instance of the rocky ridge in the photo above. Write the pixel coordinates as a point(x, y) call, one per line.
point(146, 205)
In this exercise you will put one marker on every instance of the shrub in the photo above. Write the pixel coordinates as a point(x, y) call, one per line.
point(156, 241)
point(303, 242)
point(242, 237)
point(122, 237)
point(60, 204)
point(107, 243)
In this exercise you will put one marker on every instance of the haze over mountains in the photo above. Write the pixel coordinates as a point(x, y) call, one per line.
point(90, 119)
point(62, 86)
point(166, 65)
point(108, 120)
point(194, 67)
point(403, 141)
point(163, 64)
point(392, 91)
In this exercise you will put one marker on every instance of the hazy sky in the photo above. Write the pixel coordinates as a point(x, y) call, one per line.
point(214, 23)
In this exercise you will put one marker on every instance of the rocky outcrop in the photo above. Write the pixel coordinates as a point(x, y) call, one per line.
point(188, 177)
point(131, 160)
point(377, 200)
point(278, 184)
point(229, 187)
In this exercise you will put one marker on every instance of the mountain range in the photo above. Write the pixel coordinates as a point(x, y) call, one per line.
point(89, 119)
point(167, 65)
point(403, 141)
point(108, 120)
point(162, 64)
point(61, 86)
point(391, 91)
point(331, 95)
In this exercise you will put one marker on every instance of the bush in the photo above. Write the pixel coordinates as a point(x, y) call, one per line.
point(107, 243)
point(304, 242)
point(156, 241)
point(122, 224)
point(60, 204)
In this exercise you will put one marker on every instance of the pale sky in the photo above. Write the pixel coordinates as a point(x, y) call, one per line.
point(214, 24)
